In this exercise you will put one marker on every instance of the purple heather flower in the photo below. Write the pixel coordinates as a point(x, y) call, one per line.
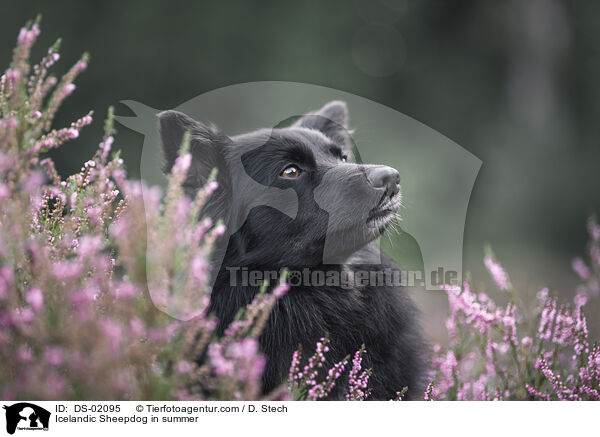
point(526, 341)
point(81, 301)
point(184, 367)
point(47, 143)
point(126, 291)
point(542, 295)
point(4, 192)
point(53, 355)
point(94, 214)
point(90, 245)
point(498, 274)
point(201, 229)
point(25, 354)
point(221, 365)
point(220, 229)
point(182, 163)
point(199, 268)
point(81, 65)
point(593, 229)
point(295, 366)
point(35, 298)
point(211, 187)
point(51, 59)
point(69, 88)
point(27, 36)
point(581, 268)
point(7, 275)
point(429, 394)
point(358, 379)
point(546, 319)
point(250, 363)
point(182, 209)
point(34, 180)
point(137, 326)
point(106, 146)
point(281, 289)
point(12, 75)
point(537, 394)
point(66, 270)
point(581, 297)
point(11, 123)
point(448, 366)
point(23, 315)
point(113, 332)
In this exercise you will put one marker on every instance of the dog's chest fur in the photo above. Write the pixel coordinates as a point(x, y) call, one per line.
point(383, 318)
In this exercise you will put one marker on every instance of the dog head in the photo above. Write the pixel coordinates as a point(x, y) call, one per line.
point(342, 205)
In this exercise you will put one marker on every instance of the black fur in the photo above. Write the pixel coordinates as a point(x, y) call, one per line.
point(342, 208)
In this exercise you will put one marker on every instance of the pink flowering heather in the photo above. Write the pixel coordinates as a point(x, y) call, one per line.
point(504, 353)
point(358, 379)
point(35, 298)
point(315, 377)
point(75, 272)
point(581, 268)
point(315, 380)
point(498, 273)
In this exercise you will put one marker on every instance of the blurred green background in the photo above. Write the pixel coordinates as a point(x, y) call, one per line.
point(514, 82)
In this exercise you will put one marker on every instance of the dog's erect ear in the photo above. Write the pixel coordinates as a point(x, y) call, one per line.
point(203, 138)
point(207, 145)
point(331, 120)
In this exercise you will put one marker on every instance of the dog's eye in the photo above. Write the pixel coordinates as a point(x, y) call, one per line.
point(344, 158)
point(290, 172)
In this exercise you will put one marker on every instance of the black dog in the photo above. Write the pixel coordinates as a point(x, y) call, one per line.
point(341, 208)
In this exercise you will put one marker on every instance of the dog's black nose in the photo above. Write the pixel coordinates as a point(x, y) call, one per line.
point(384, 177)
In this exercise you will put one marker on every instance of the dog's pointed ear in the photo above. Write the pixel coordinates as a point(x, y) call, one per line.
point(207, 144)
point(173, 125)
point(208, 149)
point(331, 120)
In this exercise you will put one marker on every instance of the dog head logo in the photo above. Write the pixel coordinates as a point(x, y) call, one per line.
point(26, 416)
point(355, 152)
